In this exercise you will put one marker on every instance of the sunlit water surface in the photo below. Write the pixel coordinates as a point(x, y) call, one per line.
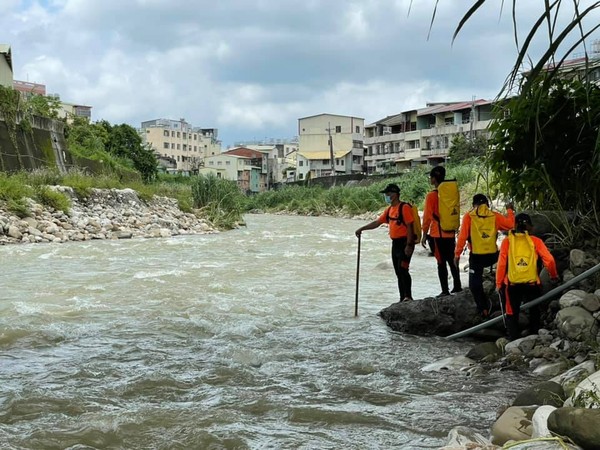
point(240, 340)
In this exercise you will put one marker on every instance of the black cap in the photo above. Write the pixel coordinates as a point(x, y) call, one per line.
point(391, 188)
point(480, 199)
point(438, 172)
point(521, 221)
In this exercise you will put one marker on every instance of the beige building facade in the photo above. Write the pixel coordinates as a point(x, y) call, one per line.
point(324, 134)
point(178, 140)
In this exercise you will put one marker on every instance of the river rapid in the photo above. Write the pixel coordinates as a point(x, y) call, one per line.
point(240, 340)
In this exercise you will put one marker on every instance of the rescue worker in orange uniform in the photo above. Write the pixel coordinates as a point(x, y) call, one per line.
point(444, 240)
point(479, 230)
point(517, 279)
point(399, 217)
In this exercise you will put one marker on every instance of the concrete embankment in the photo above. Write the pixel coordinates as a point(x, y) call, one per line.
point(104, 214)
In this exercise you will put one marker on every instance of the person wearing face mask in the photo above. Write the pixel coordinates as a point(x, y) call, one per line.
point(399, 217)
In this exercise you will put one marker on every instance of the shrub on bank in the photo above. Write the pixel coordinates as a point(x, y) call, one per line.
point(219, 200)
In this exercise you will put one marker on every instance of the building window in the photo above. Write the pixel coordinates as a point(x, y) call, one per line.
point(338, 128)
point(342, 162)
point(358, 129)
point(184, 136)
point(195, 135)
point(326, 161)
point(337, 162)
point(178, 159)
point(184, 147)
point(227, 163)
point(301, 176)
point(219, 163)
point(172, 134)
point(178, 134)
point(172, 145)
point(300, 163)
point(166, 133)
point(165, 145)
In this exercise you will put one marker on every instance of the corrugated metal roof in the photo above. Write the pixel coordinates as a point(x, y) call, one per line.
point(327, 114)
point(457, 106)
point(324, 154)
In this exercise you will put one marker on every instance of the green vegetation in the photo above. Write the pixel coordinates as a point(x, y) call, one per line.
point(54, 199)
point(545, 142)
point(221, 201)
point(15, 187)
point(352, 201)
point(115, 146)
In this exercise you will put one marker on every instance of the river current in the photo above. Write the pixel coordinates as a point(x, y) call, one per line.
point(240, 340)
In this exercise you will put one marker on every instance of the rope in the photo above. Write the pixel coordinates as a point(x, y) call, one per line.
point(541, 439)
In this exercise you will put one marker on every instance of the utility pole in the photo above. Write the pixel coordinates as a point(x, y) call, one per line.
point(472, 118)
point(331, 149)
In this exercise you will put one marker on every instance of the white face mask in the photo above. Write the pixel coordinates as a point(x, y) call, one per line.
point(387, 199)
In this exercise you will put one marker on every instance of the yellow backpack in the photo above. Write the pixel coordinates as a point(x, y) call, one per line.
point(522, 259)
point(448, 205)
point(483, 231)
point(416, 219)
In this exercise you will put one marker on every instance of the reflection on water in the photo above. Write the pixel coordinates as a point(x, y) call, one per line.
point(244, 339)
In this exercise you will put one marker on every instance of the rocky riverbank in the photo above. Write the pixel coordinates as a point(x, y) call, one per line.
point(104, 214)
point(563, 409)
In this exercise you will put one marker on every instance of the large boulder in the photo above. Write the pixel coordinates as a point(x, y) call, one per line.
point(544, 393)
point(433, 316)
point(513, 425)
point(575, 375)
point(581, 425)
point(587, 393)
point(575, 323)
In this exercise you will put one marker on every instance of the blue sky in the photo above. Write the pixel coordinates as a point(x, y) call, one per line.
point(252, 68)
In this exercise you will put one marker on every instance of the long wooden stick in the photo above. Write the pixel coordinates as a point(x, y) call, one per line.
point(357, 278)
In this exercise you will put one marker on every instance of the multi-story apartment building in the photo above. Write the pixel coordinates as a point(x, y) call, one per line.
point(280, 158)
point(329, 144)
point(247, 167)
point(422, 136)
point(6, 67)
point(180, 141)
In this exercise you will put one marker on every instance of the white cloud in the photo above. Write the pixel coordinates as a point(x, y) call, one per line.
point(253, 68)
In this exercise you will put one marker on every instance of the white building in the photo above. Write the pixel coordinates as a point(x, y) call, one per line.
point(280, 159)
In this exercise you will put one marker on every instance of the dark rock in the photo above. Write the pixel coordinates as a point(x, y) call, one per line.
point(483, 350)
point(433, 316)
point(581, 425)
point(544, 393)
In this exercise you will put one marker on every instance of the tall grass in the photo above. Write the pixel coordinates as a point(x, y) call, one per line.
point(356, 200)
point(219, 200)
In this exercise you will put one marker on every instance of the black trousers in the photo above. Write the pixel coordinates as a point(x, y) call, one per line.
point(476, 265)
point(519, 294)
point(401, 262)
point(444, 254)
